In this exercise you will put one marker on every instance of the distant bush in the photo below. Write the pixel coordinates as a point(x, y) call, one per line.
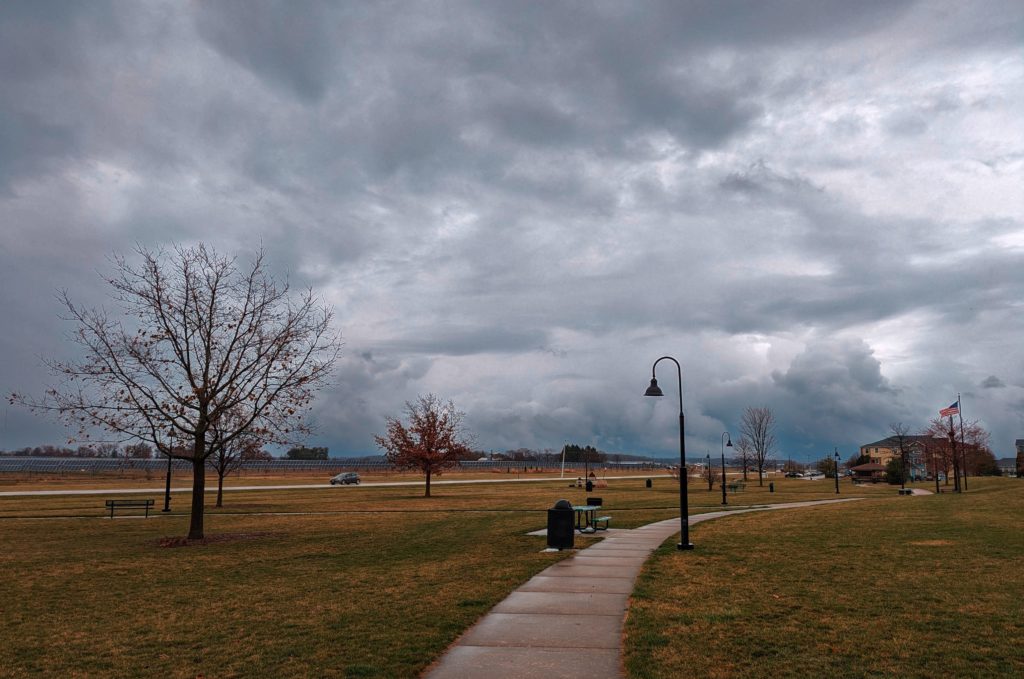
point(303, 453)
point(894, 472)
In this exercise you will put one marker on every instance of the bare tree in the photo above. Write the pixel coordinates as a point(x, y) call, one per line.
point(691, 470)
point(975, 439)
point(198, 338)
point(939, 448)
point(709, 475)
point(107, 449)
point(433, 441)
point(758, 425)
point(745, 453)
point(138, 451)
point(900, 432)
point(230, 452)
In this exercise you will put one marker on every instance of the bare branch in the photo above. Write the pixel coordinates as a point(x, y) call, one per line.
point(202, 358)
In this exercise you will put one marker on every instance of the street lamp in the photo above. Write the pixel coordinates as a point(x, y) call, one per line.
point(167, 488)
point(684, 510)
point(835, 469)
point(725, 435)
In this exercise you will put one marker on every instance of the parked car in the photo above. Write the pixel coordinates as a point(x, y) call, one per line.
point(345, 479)
point(794, 475)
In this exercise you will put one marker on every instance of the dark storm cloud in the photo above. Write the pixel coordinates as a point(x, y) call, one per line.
point(849, 367)
point(29, 145)
point(992, 382)
point(466, 340)
point(43, 42)
point(519, 206)
point(287, 48)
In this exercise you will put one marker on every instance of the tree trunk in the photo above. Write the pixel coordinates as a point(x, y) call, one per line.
point(195, 528)
point(760, 475)
point(220, 489)
point(428, 484)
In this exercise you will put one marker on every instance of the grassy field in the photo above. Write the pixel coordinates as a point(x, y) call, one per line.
point(886, 587)
point(346, 581)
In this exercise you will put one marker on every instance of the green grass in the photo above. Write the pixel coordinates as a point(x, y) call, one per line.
point(889, 586)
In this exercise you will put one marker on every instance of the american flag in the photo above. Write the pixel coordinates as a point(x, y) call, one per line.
point(953, 409)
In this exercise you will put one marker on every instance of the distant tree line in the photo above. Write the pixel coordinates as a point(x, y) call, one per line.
point(137, 451)
point(573, 453)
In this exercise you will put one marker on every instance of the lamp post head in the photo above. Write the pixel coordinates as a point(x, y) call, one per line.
point(728, 443)
point(654, 389)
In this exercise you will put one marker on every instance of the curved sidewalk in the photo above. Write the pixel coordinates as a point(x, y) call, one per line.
point(566, 622)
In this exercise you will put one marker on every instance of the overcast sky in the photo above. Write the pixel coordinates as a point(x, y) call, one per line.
point(814, 205)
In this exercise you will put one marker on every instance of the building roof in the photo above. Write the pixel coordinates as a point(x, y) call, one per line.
point(868, 467)
point(892, 441)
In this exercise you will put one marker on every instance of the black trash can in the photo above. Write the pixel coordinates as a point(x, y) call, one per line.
point(590, 485)
point(561, 525)
point(648, 483)
point(771, 487)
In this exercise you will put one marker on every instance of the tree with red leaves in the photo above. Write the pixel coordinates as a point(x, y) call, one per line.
point(973, 454)
point(433, 441)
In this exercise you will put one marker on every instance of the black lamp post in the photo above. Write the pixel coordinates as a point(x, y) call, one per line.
point(707, 471)
point(167, 488)
point(725, 435)
point(835, 469)
point(684, 510)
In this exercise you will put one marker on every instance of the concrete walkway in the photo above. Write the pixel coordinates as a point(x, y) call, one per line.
point(567, 621)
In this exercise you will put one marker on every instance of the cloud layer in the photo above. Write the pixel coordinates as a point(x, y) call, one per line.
point(815, 207)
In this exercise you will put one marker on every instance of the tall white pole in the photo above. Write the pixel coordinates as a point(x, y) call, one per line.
point(963, 443)
point(563, 462)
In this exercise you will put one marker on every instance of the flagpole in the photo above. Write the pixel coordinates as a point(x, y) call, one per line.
point(956, 461)
point(963, 442)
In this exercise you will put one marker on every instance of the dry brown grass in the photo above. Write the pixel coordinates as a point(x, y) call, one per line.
point(894, 586)
point(345, 581)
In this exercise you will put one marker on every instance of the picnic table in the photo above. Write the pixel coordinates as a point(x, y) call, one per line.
point(587, 520)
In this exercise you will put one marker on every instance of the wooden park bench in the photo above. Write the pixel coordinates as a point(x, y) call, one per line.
point(115, 504)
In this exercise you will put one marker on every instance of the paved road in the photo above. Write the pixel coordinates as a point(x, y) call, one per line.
point(567, 621)
point(307, 486)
